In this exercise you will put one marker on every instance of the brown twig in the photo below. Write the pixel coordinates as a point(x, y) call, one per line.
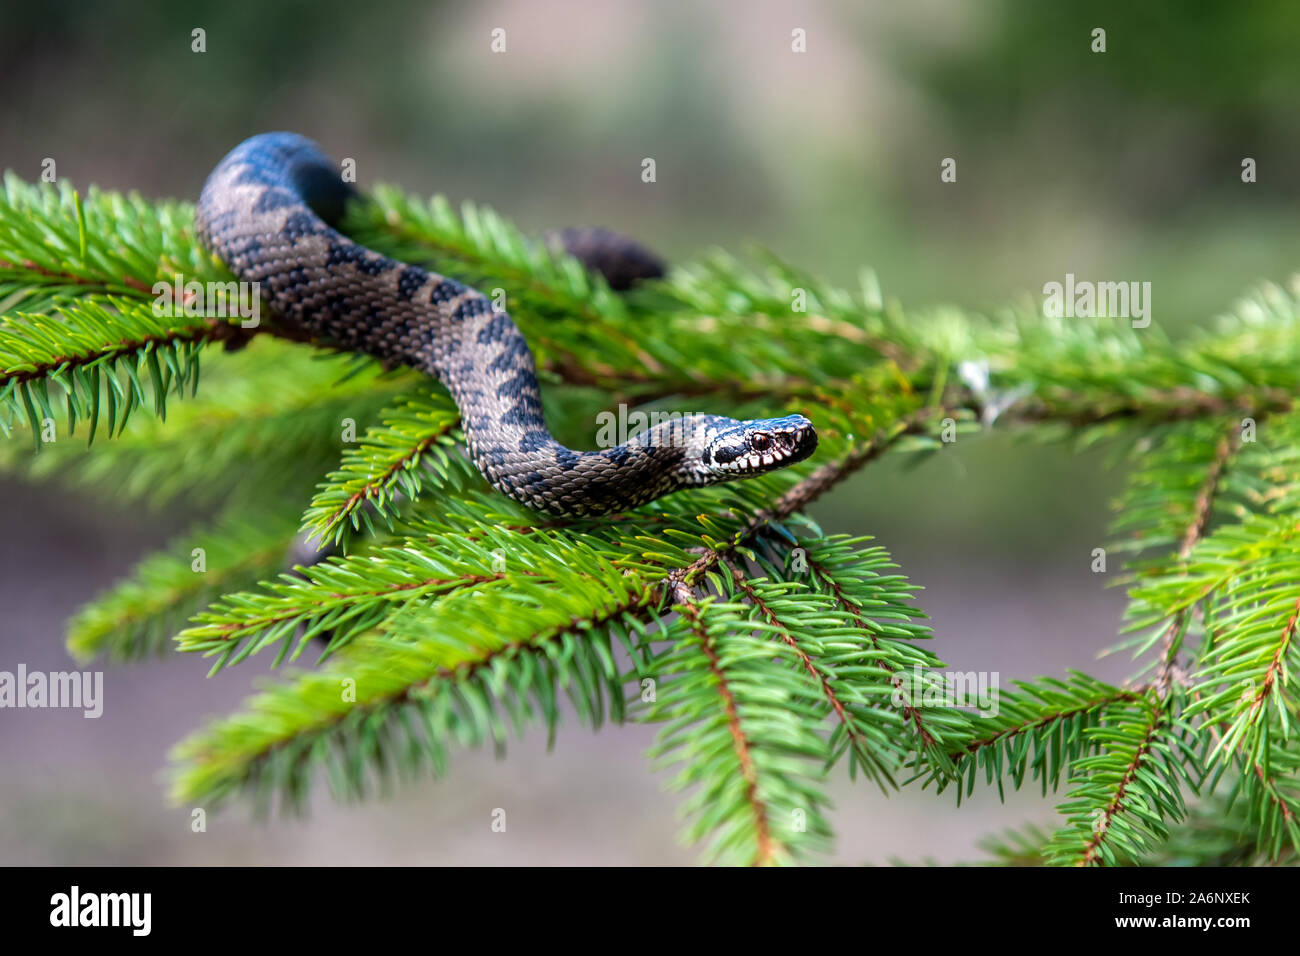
point(1092, 848)
point(1202, 510)
point(837, 705)
point(766, 846)
point(1037, 724)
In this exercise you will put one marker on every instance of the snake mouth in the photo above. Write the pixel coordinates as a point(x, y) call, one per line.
point(805, 443)
point(755, 447)
point(797, 442)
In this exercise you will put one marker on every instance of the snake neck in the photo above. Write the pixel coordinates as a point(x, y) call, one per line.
point(521, 458)
point(455, 334)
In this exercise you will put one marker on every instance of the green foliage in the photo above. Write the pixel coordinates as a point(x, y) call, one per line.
point(771, 654)
point(743, 732)
point(1039, 732)
point(486, 250)
point(415, 441)
point(237, 440)
point(1219, 832)
point(1021, 846)
point(97, 358)
point(1124, 794)
point(76, 306)
point(57, 246)
point(437, 675)
point(1244, 678)
point(139, 616)
point(866, 659)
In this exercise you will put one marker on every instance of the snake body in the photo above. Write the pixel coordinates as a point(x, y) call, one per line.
point(267, 211)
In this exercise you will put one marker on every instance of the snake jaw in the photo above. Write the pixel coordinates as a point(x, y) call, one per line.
point(753, 447)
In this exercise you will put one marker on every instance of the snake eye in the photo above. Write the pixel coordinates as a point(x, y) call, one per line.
point(760, 441)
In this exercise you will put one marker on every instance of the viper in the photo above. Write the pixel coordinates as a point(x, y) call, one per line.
point(269, 211)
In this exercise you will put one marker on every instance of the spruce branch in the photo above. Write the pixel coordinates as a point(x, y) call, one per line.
point(97, 357)
point(1244, 577)
point(1219, 831)
point(57, 246)
point(789, 303)
point(1202, 508)
point(868, 728)
point(740, 729)
point(765, 848)
point(414, 445)
point(348, 596)
point(1262, 784)
point(851, 578)
point(138, 616)
point(448, 673)
point(1122, 796)
point(1039, 732)
point(1267, 787)
point(235, 440)
point(482, 248)
point(459, 614)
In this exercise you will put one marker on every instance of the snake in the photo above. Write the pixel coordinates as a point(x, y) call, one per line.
point(270, 211)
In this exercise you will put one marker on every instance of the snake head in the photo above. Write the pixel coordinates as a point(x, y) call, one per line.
point(754, 447)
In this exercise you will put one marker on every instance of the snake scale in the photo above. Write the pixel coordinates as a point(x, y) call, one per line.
point(268, 212)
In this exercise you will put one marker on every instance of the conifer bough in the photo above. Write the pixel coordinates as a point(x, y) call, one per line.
point(770, 651)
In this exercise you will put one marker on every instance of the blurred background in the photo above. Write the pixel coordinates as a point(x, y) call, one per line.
point(1123, 165)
